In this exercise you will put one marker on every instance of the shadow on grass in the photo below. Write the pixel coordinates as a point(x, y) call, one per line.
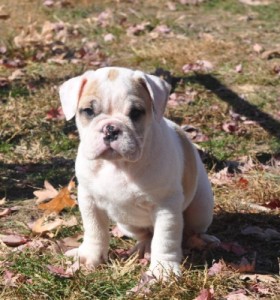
point(19, 181)
point(227, 227)
point(240, 105)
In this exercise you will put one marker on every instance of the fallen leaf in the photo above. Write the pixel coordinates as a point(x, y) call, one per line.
point(143, 288)
point(199, 65)
point(70, 242)
point(35, 245)
point(239, 68)
point(109, 37)
point(205, 294)
point(258, 48)
point(5, 212)
point(13, 240)
point(17, 74)
point(61, 201)
point(48, 223)
point(245, 266)
point(230, 127)
point(237, 295)
point(176, 99)
point(10, 278)
point(55, 114)
point(273, 204)
point(60, 272)
point(104, 18)
point(259, 277)
point(45, 194)
point(216, 268)
point(222, 177)
point(242, 183)
point(138, 29)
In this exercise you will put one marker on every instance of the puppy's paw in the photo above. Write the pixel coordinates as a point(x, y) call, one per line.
point(88, 256)
point(164, 270)
point(143, 248)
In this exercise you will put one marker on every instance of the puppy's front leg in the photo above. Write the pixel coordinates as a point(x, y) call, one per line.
point(94, 249)
point(166, 249)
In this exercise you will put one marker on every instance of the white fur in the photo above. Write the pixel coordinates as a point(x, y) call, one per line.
point(146, 196)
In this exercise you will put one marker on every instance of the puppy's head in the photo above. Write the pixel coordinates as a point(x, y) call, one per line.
point(114, 110)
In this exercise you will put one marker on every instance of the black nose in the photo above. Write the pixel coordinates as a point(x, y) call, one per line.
point(111, 133)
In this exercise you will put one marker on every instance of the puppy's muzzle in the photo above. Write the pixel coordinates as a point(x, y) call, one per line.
point(111, 133)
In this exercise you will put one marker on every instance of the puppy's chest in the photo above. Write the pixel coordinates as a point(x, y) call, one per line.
point(122, 198)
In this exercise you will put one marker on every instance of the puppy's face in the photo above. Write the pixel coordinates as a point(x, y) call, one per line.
point(114, 110)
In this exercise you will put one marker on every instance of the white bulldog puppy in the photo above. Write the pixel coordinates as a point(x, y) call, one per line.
point(134, 167)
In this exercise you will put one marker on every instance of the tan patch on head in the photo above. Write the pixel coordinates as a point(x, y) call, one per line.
point(190, 175)
point(91, 89)
point(113, 74)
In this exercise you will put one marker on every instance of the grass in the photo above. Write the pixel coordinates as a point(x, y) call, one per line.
point(34, 148)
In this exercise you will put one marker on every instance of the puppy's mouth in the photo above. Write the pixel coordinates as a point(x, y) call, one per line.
point(124, 148)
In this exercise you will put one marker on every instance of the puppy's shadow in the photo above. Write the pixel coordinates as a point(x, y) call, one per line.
point(264, 254)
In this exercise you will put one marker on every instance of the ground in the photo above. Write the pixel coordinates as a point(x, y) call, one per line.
point(222, 58)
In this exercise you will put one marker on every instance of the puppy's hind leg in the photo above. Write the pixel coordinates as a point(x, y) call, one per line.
point(199, 214)
point(143, 237)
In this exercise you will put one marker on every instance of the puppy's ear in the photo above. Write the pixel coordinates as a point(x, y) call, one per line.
point(159, 92)
point(70, 92)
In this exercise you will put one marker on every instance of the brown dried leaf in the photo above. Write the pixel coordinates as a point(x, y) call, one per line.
point(5, 212)
point(46, 224)
point(45, 194)
point(245, 266)
point(61, 201)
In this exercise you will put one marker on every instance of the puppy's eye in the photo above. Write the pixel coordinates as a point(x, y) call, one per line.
point(136, 113)
point(88, 112)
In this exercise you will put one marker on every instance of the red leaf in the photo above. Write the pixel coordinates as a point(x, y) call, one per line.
point(242, 183)
point(273, 204)
point(55, 114)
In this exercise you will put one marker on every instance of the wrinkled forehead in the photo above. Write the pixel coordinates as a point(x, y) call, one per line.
point(114, 87)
